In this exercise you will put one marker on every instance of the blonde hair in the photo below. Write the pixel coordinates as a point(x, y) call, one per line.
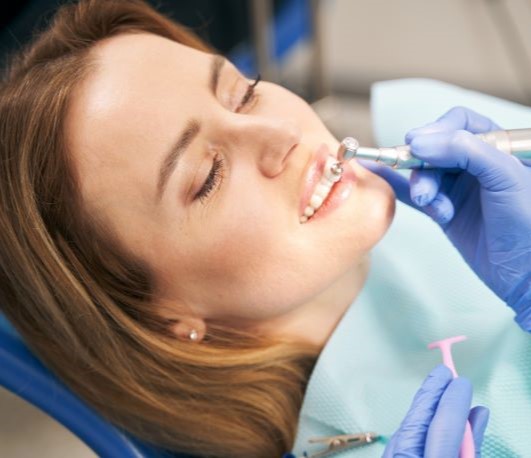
point(85, 305)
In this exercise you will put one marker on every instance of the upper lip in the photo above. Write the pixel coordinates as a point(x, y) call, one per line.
point(313, 173)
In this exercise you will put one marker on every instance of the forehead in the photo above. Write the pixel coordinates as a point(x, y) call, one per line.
point(117, 56)
point(137, 75)
point(140, 92)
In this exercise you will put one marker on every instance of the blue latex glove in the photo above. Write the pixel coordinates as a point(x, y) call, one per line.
point(485, 209)
point(435, 424)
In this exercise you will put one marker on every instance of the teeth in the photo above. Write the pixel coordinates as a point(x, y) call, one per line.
point(316, 202)
point(321, 190)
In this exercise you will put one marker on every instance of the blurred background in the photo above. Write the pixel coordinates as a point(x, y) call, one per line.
point(329, 52)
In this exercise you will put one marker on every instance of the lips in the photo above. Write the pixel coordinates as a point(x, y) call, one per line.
point(340, 191)
point(314, 174)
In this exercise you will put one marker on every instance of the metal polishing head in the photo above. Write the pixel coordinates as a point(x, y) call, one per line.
point(337, 169)
point(347, 149)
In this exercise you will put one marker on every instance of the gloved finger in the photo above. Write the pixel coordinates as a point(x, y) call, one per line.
point(478, 418)
point(456, 118)
point(447, 428)
point(496, 171)
point(410, 438)
point(440, 209)
point(424, 185)
point(397, 181)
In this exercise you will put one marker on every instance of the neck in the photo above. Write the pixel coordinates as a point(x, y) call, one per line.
point(315, 322)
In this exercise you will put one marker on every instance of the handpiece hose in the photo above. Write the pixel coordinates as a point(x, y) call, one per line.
point(516, 142)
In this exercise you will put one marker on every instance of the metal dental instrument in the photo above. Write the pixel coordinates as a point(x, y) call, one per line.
point(342, 442)
point(516, 142)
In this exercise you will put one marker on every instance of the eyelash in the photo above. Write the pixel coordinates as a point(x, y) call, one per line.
point(215, 175)
point(249, 95)
point(216, 172)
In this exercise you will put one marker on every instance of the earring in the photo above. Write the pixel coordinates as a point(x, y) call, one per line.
point(193, 336)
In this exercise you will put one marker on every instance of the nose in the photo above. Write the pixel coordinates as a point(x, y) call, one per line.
point(268, 140)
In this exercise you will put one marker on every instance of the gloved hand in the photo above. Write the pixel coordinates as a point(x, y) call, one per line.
point(435, 424)
point(485, 209)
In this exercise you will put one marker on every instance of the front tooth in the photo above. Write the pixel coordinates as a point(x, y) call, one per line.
point(322, 190)
point(309, 211)
point(316, 201)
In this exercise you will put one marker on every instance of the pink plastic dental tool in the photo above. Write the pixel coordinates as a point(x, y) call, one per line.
point(467, 446)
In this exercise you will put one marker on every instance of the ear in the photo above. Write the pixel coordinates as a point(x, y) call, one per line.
point(184, 329)
point(185, 321)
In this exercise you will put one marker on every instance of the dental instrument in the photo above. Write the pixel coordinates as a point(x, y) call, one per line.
point(516, 142)
point(339, 443)
point(467, 446)
point(343, 442)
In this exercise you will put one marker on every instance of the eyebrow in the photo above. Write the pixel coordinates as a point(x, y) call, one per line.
point(193, 126)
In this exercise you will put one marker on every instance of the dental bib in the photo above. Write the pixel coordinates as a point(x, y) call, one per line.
point(418, 290)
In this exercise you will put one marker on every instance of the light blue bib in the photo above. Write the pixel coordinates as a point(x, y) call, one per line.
point(419, 290)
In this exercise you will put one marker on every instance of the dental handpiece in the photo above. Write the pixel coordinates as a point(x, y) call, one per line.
point(516, 142)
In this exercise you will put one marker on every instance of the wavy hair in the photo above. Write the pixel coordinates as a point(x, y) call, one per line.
point(86, 306)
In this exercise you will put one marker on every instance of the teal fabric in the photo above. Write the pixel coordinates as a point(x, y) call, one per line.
point(400, 105)
point(419, 290)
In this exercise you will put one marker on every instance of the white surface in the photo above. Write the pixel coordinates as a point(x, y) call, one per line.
point(457, 41)
point(27, 432)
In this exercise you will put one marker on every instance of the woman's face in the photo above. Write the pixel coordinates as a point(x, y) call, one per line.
point(223, 236)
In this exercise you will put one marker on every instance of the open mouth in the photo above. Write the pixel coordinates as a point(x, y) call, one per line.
point(321, 191)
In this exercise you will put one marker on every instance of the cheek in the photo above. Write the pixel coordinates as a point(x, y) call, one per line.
point(244, 235)
point(253, 264)
point(373, 210)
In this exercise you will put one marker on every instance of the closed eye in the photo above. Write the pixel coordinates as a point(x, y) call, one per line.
point(250, 94)
point(213, 180)
point(215, 176)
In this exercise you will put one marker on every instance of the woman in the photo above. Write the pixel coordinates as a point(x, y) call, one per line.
point(158, 253)
point(114, 253)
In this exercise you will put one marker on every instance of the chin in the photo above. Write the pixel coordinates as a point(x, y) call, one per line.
point(379, 208)
point(388, 199)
